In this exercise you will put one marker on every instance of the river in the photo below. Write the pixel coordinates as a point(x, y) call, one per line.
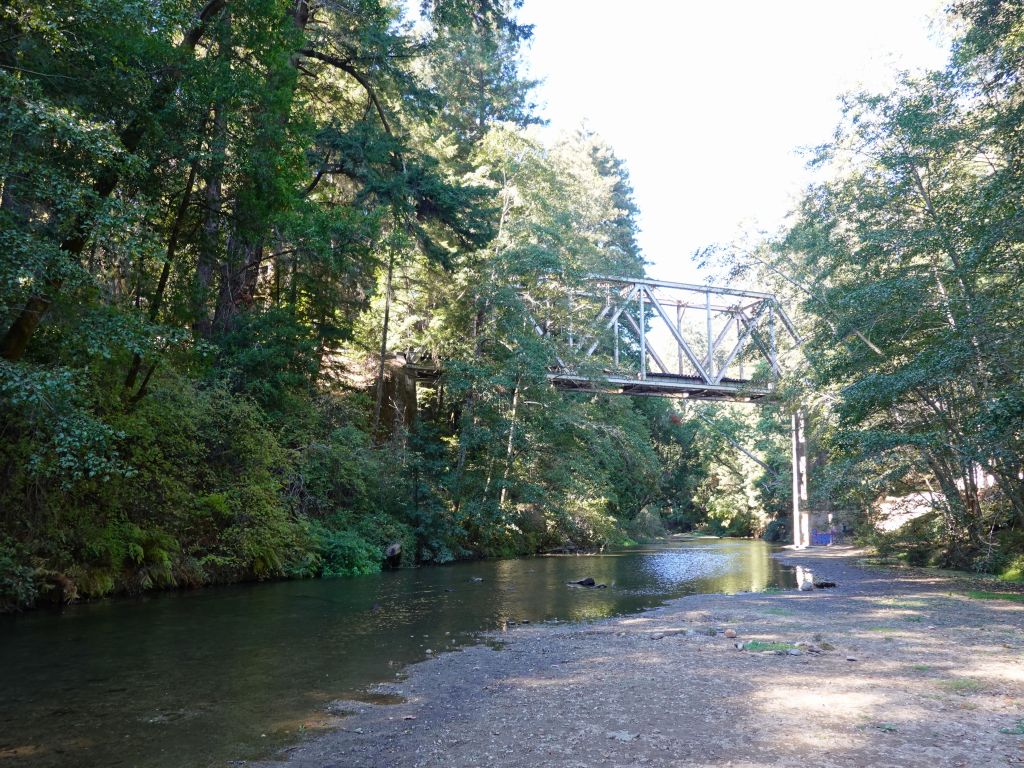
point(202, 678)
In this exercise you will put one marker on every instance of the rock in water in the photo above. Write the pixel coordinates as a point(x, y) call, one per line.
point(587, 582)
point(806, 586)
point(824, 584)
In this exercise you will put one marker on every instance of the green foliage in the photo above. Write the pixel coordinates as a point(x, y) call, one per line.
point(918, 542)
point(1016, 730)
point(981, 595)
point(19, 583)
point(68, 443)
point(1014, 570)
point(343, 552)
point(760, 646)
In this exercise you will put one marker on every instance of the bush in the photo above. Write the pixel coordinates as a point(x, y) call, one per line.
point(344, 552)
point(647, 525)
point(1014, 570)
point(916, 542)
point(19, 585)
point(777, 531)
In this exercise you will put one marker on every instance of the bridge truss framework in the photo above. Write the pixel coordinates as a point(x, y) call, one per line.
point(667, 339)
point(727, 349)
point(641, 337)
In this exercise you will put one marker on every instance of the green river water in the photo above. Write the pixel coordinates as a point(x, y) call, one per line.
point(212, 676)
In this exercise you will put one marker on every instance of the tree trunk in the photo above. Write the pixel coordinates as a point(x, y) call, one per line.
point(510, 445)
point(378, 404)
point(156, 300)
point(252, 222)
point(210, 239)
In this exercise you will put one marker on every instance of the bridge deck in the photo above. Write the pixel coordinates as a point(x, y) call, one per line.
point(662, 385)
point(655, 385)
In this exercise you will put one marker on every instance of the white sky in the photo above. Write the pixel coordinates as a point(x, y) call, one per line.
point(709, 102)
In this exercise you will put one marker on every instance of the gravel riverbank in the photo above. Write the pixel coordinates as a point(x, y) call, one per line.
point(887, 669)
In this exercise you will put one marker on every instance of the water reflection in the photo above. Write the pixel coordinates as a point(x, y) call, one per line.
point(674, 566)
point(195, 679)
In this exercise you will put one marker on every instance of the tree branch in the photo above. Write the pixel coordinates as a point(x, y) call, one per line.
point(345, 66)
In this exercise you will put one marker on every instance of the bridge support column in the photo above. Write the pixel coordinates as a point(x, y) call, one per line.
point(801, 517)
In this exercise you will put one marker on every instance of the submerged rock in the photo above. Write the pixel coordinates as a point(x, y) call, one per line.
point(589, 583)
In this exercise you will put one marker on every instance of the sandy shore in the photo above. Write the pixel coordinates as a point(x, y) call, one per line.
point(884, 670)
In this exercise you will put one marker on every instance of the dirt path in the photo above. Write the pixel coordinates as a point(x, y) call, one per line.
point(894, 671)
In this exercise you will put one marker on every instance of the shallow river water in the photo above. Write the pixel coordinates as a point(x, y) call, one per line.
point(206, 677)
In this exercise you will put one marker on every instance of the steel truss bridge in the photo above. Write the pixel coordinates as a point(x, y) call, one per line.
point(653, 338)
point(643, 337)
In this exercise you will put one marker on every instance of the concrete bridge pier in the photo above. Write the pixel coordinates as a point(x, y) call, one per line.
point(801, 517)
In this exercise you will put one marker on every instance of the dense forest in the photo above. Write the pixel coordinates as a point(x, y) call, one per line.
point(227, 227)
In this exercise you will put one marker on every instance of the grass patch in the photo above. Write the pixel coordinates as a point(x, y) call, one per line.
point(963, 686)
point(883, 630)
point(979, 595)
point(1016, 730)
point(761, 645)
point(1015, 571)
point(921, 668)
point(904, 603)
point(778, 611)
